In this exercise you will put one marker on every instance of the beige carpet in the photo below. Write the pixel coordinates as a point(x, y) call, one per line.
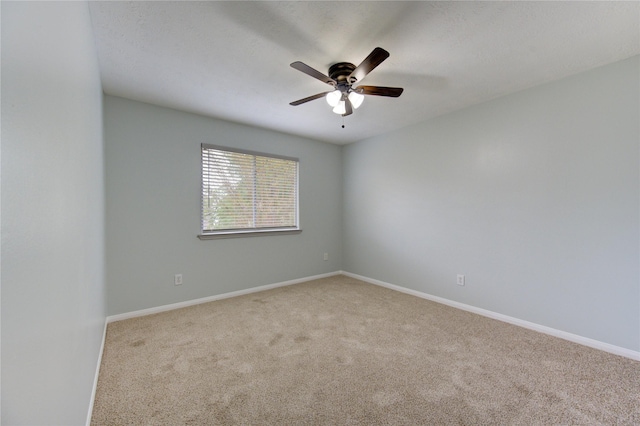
point(340, 351)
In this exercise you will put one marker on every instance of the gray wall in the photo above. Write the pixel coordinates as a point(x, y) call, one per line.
point(52, 213)
point(153, 209)
point(533, 196)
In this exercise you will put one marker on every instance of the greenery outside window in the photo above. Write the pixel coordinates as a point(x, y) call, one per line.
point(246, 193)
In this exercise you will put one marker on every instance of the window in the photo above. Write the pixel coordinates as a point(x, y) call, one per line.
point(247, 193)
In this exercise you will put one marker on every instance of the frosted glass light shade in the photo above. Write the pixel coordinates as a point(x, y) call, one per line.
point(333, 98)
point(356, 99)
point(340, 108)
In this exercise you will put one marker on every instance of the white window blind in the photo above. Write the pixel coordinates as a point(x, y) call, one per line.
point(243, 191)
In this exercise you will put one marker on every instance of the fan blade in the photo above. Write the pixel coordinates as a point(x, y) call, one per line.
point(313, 73)
point(310, 98)
point(374, 59)
point(392, 92)
point(348, 107)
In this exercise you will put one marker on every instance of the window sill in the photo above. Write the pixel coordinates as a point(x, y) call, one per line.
point(253, 233)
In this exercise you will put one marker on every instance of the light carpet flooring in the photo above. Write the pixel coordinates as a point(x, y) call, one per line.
point(343, 352)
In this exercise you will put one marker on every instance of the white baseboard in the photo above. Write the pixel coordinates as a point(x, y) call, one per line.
point(617, 350)
point(164, 308)
point(95, 379)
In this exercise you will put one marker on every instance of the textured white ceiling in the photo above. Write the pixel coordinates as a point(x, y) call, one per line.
point(231, 59)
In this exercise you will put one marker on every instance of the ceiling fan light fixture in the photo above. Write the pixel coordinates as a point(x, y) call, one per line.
point(340, 108)
point(343, 97)
point(356, 99)
point(333, 98)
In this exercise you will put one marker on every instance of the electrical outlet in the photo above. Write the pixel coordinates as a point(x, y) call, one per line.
point(177, 279)
point(326, 256)
point(460, 279)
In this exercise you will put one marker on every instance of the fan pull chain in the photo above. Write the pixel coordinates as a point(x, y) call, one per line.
point(343, 121)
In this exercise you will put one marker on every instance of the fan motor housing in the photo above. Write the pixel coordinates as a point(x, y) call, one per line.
point(340, 71)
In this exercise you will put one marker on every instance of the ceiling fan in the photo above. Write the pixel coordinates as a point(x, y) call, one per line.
point(344, 98)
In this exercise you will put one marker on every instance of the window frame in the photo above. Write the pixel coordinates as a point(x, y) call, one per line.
point(247, 232)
